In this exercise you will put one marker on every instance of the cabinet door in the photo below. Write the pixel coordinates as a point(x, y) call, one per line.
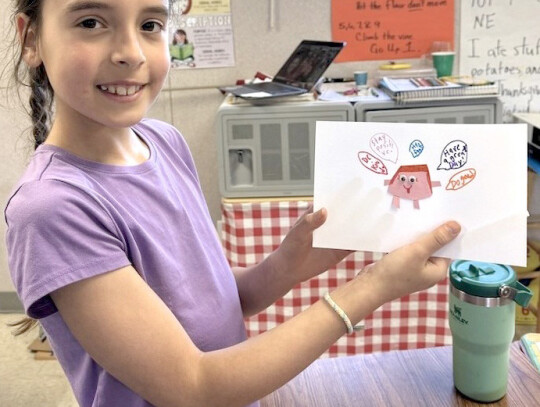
point(286, 151)
point(463, 114)
point(271, 145)
point(300, 149)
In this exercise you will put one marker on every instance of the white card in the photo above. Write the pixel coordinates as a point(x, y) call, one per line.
point(385, 184)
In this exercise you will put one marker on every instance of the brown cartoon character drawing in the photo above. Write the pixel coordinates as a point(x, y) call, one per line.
point(411, 182)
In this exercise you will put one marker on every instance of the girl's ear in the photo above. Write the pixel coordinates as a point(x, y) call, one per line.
point(29, 40)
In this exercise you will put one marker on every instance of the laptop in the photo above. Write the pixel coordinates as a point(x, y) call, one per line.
point(302, 70)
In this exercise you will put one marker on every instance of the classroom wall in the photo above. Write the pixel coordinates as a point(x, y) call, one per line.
point(190, 99)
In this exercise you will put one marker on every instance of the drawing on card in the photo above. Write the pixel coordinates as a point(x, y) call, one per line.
point(441, 171)
point(416, 148)
point(383, 145)
point(372, 163)
point(454, 155)
point(411, 182)
point(460, 179)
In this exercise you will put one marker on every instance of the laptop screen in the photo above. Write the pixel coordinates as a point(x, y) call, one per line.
point(308, 63)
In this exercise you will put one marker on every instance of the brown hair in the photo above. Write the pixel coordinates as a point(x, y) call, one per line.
point(42, 94)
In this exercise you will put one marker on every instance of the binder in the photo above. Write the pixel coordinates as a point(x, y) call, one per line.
point(404, 90)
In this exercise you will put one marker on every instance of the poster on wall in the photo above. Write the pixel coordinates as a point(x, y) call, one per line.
point(200, 34)
point(500, 41)
point(390, 29)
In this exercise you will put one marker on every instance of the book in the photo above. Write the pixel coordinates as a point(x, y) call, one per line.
point(181, 52)
point(467, 80)
point(530, 343)
point(405, 90)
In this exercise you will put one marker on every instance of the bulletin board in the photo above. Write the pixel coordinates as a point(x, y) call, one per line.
point(500, 41)
point(390, 29)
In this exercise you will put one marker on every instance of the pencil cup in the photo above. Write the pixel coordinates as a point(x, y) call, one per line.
point(443, 62)
point(360, 78)
point(482, 313)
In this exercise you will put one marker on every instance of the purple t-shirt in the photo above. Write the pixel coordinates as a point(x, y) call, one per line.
point(70, 219)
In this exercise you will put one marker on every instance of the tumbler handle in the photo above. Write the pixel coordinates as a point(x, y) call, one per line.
point(516, 291)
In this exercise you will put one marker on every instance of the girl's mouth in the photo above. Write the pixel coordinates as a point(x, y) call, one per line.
point(121, 90)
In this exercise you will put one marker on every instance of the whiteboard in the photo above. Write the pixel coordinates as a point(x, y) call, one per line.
point(500, 40)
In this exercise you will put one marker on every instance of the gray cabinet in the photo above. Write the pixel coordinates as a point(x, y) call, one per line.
point(461, 111)
point(268, 150)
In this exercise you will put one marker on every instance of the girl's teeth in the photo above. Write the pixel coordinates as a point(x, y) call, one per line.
point(120, 90)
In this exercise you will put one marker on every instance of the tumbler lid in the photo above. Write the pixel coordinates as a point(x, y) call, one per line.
point(480, 279)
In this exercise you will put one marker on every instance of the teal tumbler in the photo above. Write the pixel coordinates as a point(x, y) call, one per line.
point(482, 322)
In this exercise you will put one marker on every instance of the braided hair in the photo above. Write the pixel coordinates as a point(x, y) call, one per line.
point(41, 101)
point(41, 93)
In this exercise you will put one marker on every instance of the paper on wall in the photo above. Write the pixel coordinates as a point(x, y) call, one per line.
point(385, 184)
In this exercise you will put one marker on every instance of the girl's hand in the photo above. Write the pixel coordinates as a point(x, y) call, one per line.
point(411, 267)
point(296, 258)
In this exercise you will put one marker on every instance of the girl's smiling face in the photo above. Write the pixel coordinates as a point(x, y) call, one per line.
point(105, 60)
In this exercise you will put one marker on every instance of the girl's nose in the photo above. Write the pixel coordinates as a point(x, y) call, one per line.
point(127, 51)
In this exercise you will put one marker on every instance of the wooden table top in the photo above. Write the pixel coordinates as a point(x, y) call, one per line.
point(420, 377)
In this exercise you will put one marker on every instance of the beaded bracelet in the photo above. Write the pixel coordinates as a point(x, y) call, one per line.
point(342, 315)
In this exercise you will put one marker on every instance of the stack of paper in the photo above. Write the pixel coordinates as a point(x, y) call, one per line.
point(405, 90)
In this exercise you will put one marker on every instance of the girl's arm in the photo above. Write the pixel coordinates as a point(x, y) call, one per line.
point(129, 331)
point(294, 261)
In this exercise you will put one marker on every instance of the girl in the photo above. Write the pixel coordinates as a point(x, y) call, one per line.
point(111, 246)
point(180, 37)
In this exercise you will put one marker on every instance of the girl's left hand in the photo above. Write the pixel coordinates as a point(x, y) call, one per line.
point(296, 258)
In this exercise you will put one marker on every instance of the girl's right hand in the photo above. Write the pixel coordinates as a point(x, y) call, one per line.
point(412, 268)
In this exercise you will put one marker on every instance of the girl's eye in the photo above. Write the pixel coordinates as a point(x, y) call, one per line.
point(90, 23)
point(412, 179)
point(152, 26)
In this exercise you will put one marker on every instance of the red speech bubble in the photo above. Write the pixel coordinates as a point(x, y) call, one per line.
point(372, 163)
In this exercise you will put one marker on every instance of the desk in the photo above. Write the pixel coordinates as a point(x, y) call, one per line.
point(420, 377)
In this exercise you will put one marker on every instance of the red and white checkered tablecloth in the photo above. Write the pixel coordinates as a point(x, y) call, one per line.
point(251, 230)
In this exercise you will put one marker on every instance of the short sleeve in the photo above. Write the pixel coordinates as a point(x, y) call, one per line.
point(57, 234)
